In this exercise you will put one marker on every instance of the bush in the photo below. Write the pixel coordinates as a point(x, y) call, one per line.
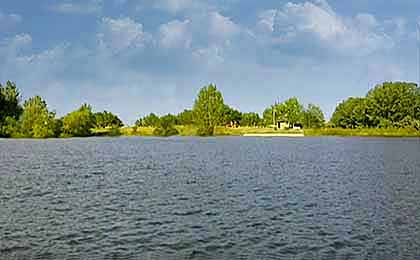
point(165, 132)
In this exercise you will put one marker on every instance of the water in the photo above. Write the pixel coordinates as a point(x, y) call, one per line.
point(215, 198)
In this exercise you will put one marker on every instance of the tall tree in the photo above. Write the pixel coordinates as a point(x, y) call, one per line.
point(107, 119)
point(10, 108)
point(392, 102)
point(268, 116)
point(36, 121)
point(351, 113)
point(313, 117)
point(291, 111)
point(80, 122)
point(208, 109)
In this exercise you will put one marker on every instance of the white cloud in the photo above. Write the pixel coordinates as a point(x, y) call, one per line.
point(221, 28)
point(12, 47)
point(175, 34)
point(317, 23)
point(266, 21)
point(9, 20)
point(86, 7)
point(120, 34)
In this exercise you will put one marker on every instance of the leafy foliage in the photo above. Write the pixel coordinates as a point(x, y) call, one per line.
point(166, 126)
point(149, 120)
point(79, 123)
point(387, 105)
point(250, 119)
point(290, 111)
point(208, 110)
point(268, 116)
point(107, 119)
point(313, 117)
point(9, 107)
point(230, 115)
point(186, 117)
point(36, 121)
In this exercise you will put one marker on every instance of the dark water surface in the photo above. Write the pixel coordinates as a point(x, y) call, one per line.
point(216, 198)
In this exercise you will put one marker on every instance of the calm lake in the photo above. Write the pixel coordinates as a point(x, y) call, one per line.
point(210, 198)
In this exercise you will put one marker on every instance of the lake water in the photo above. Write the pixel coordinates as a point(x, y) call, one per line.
point(210, 198)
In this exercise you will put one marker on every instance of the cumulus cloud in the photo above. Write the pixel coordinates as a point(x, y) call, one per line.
point(318, 24)
point(85, 7)
point(221, 28)
point(266, 21)
point(175, 34)
point(122, 33)
point(8, 21)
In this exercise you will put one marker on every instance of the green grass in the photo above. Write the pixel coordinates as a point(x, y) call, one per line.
point(252, 130)
point(363, 132)
point(191, 130)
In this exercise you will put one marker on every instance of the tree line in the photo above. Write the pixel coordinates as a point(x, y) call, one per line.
point(33, 119)
point(389, 105)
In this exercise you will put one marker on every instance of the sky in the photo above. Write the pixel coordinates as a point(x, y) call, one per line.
point(134, 57)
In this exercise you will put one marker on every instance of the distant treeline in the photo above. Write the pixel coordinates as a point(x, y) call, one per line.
point(390, 105)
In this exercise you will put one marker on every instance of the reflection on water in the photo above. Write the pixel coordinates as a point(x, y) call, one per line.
point(210, 198)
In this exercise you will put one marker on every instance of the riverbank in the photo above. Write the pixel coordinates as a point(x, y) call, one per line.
point(264, 131)
point(363, 132)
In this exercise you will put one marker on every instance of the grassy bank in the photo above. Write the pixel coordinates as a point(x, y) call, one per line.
point(363, 132)
point(191, 130)
point(225, 131)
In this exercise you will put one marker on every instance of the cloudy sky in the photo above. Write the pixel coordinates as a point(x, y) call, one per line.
point(133, 57)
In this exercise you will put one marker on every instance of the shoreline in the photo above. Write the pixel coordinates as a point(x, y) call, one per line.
point(190, 131)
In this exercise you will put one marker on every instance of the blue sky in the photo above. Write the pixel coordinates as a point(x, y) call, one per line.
point(133, 57)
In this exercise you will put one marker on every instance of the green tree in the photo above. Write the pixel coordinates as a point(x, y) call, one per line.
point(250, 119)
point(208, 110)
point(395, 103)
point(150, 120)
point(166, 126)
point(313, 117)
point(268, 116)
point(186, 117)
point(351, 113)
point(230, 115)
point(36, 121)
point(79, 123)
point(9, 106)
point(290, 111)
point(107, 119)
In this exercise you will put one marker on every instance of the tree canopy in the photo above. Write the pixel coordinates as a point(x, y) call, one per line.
point(208, 109)
point(107, 119)
point(36, 121)
point(80, 122)
point(387, 105)
point(313, 117)
point(10, 108)
point(166, 126)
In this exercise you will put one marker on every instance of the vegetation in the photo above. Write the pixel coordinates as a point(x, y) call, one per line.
point(79, 123)
point(313, 117)
point(107, 120)
point(166, 126)
point(10, 109)
point(389, 109)
point(390, 105)
point(209, 110)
